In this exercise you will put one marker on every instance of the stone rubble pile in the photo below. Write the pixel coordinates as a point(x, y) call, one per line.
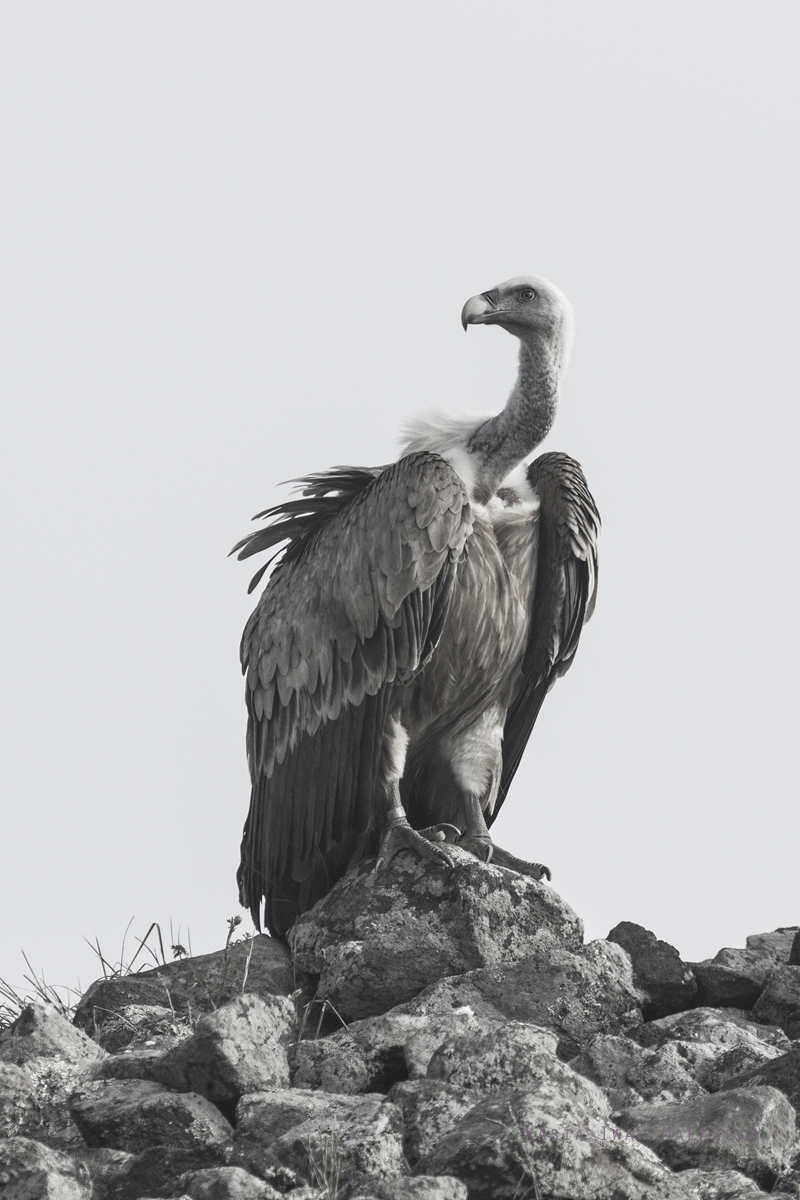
point(428, 1034)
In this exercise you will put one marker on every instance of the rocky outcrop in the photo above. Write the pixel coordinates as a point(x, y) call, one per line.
point(433, 1034)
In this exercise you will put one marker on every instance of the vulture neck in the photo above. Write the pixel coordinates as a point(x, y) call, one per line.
point(502, 442)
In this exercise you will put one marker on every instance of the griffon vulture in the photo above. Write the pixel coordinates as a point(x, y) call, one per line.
point(400, 653)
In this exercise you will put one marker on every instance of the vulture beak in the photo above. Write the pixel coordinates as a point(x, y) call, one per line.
point(477, 310)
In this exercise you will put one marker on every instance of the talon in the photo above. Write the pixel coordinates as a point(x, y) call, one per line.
point(400, 836)
point(502, 858)
point(442, 832)
point(479, 846)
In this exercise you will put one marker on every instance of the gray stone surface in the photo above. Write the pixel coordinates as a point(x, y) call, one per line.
point(439, 1187)
point(726, 1028)
point(374, 1054)
point(577, 994)
point(721, 1185)
point(377, 939)
point(240, 1048)
point(629, 1074)
point(720, 986)
point(226, 1183)
point(30, 1171)
point(56, 1058)
point(779, 1002)
point(191, 986)
point(157, 1171)
point(304, 1132)
point(511, 1055)
point(668, 984)
point(134, 1114)
point(747, 1130)
point(511, 1144)
point(430, 1108)
point(19, 1110)
point(141, 1026)
point(782, 1073)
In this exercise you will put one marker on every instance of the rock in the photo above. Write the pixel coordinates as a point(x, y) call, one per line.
point(314, 1134)
point(240, 1048)
point(508, 1056)
point(31, 1171)
point(430, 1108)
point(774, 948)
point(669, 985)
point(527, 1141)
point(376, 940)
point(748, 1130)
point(56, 1058)
point(134, 1114)
point(106, 1168)
point(725, 1028)
point(729, 1067)
point(436, 1187)
point(720, 1185)
point(141, 1026)
point(19, 1111)
point(782, 1073)
point(158, 1171)
point(630, 1074)
point(374, 1054)
point(794, 953)
point(720, 986)
point(779, 1003)
point(131, 1064)
point(576, 994)
point(226, 1183)
point(192, 986)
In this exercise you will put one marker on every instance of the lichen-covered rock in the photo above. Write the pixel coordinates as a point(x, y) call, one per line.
point(141, 1026)
point(511, 1055)
point(157, 1171)
point(30, 1170)
point(56, 1058)
point(106, 1168)
point(577, 994)
point(782, 1073)
point(239, 1048)
point(726, 1028)
point(134, 1114)
point(377, 939)
point(438, 1187)
point(721, 1185)
point(19, 1110)
point(226, 1183)
point(630, 1074)
point(374, 1054)
point(520, 1141)
point(720, 986)
point(305, 1132)
point(668, 984)
point(747, 1130)
point(779, 1002)
point(430, 1108)
point(192, 986)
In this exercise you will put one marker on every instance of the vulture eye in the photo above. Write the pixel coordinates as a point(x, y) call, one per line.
point(527, 294)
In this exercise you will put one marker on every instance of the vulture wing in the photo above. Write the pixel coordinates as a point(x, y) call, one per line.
point(563, 598)
point(355, 609)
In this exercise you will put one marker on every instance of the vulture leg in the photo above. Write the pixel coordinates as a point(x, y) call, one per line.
point(397, 833)
point(478, 841)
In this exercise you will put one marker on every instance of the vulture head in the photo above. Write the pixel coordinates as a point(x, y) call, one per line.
point(529, 307)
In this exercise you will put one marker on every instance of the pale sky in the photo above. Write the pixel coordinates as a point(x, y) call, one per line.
point(235, 243)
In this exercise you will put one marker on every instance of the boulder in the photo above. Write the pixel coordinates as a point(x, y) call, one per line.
point(106, 1168)
point(439, 1187)
point(577, 994)
point(19, 1110)
point(630, 1074)
point(316, 1137)
point(239, 1048)
point(747, 1130)
point(527, 1142)
point(135, 1114)
point(141, 1026)
point(726, 1028)
point(430, 1108)
point(722, 1185)
point(193, 986)
point(779, 1002)
point(782, 1073)
point(794, 953)
point(56, 1058)
point(720, 986)
point(226, 1183)
point(374, 1054)
point(377, 939)
point(158, 1171)
point(668, 984)
point(31, 1171)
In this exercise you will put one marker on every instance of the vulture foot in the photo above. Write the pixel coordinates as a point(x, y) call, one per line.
point(481, 846)
point(502, 858)
point(403, 837)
